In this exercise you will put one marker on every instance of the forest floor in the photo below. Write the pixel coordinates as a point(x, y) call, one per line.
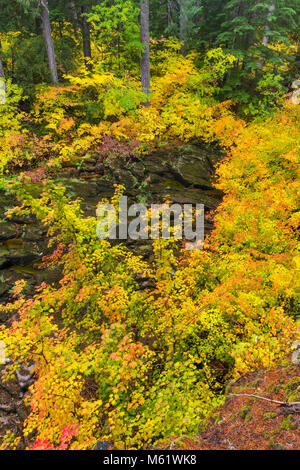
point(248, 423)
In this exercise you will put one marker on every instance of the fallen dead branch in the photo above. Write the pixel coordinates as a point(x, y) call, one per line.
point(281, 403)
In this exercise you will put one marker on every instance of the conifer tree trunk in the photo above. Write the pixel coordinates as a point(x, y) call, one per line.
point(74, 17)
point(145, 60)
point(38, 26)
point(2, 81)
point(86, 38)
point(267, 28)
point(183, 25)
point(265, 39)
point(48, 39)
point(169, 13)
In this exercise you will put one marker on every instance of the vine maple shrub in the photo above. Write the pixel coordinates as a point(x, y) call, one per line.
point(102, 112)
point(114, 360)
point(131, 366)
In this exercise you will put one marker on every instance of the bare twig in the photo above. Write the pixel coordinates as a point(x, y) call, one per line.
point(282, 403)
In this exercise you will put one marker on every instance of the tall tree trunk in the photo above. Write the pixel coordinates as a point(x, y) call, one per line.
point(86, 38)
point(183, 25)
point(237, 13)
point(267, 27)
point(38, 26)
point(74, 17)
point(2, 81)
point(48, 39)
point(265, 39)
point(145, 60)
point(169, 14)
point(197, 16)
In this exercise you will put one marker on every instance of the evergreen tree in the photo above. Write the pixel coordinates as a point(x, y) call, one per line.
point(117, 31)
point(40, 8)
point(250, 25)
point(189, 13)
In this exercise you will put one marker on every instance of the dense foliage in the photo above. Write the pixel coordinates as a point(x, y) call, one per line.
point(113, 360)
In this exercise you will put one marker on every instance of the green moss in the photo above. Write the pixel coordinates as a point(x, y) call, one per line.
point(244, 413)
point(269, 415)
point(274, 388)
point(293, 389)
point(287, 424)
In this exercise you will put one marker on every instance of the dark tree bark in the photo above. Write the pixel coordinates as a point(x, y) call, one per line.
point(267, 28)
point(86, 38)
point(74, 17)
point(38, 26)
point(183, 25)
point(2, 75)
point(48, 39)
point(169, 14)
point(265, 39)
point(2, 81)
point(197, 17)
point(145, 60)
